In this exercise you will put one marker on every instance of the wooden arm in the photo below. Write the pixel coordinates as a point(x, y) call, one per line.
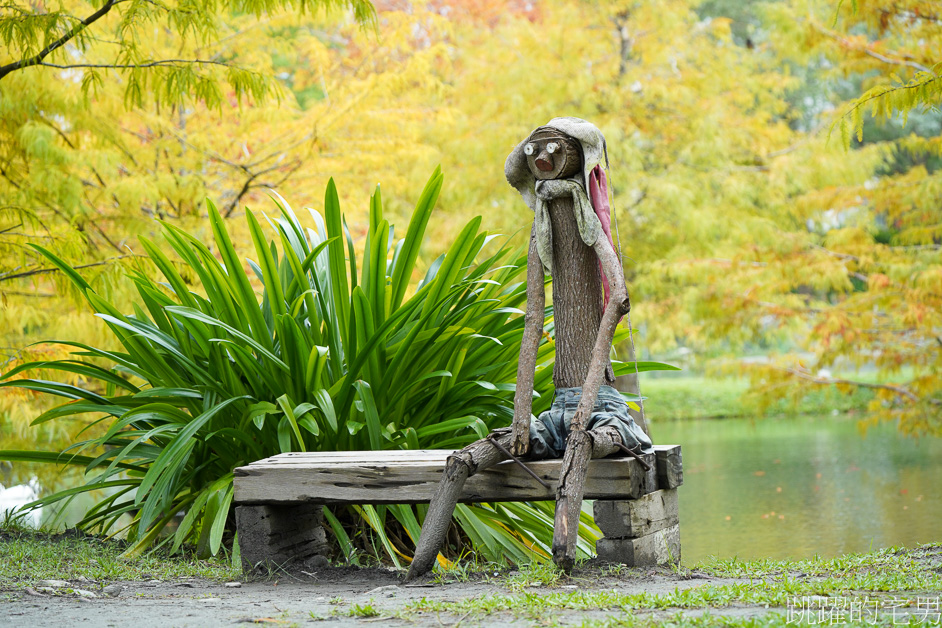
point(532, 332)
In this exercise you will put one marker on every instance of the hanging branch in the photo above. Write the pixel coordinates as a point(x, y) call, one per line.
point(69, 36)
point(42, 271)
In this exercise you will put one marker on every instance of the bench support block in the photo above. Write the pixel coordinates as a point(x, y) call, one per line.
point(276, 536)
point(639, 533)
point(670, 467)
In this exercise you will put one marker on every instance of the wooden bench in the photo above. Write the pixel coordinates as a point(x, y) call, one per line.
point(279, 500)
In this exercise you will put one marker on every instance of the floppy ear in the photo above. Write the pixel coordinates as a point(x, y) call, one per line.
point(519, 176)
point(598, 197)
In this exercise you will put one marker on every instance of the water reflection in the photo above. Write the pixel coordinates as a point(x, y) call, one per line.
point(13, 498)
point(793, 488)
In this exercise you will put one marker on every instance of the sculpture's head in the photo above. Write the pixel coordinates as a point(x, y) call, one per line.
point(564, 148)
point(552, 154)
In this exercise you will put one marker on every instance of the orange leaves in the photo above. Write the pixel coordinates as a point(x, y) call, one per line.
point(878, 281)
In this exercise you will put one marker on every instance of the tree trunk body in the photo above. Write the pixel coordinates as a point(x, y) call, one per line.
point(577, 297)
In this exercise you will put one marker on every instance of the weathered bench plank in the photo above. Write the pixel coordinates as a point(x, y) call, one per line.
point(409, 478)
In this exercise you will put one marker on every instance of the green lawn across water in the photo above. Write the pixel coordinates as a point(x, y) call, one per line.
point(699, 397)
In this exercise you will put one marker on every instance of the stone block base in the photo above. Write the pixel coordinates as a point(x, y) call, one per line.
point(635, 518)
point(658, 548)
point(279, 536)
point(639, 532)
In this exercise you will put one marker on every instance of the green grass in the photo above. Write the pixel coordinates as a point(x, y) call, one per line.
point(534, 575)
point(699, 397)
point(883, 575)
point(27, 556)
point(363, 610)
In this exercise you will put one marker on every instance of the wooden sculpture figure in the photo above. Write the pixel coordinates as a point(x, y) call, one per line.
point(558, 172)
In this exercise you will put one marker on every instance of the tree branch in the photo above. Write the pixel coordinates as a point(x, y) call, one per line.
point(73, 32)
point(250, 183)
point(805, 375)
point(904, 62)
point(42, 271)
point(128, 66)
point(868, 51)
point(911, 15)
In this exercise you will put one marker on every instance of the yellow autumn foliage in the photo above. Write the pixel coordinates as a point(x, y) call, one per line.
point(743, 224)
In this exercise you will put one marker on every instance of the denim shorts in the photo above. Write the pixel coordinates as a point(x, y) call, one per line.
point(548, 432)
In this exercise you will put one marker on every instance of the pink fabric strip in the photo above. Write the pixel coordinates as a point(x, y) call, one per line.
point(598, 196)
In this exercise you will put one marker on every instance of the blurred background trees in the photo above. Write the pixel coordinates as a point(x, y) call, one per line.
point(775, 164)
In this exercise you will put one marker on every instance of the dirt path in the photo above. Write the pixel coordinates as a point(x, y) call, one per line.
point(886, 587)
point(339, 596)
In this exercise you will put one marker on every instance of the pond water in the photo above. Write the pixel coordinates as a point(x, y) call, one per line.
point(805, 486)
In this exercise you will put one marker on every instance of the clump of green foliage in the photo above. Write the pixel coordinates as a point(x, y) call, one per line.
point(336, 356)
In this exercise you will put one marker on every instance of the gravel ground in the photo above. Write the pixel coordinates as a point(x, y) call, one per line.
point(329, 596)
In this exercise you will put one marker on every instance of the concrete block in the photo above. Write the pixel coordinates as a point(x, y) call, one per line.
point(636, 518)
point(276, 536)
point(658, 548)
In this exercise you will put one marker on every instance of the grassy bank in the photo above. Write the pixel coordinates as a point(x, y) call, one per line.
point(894, 586)
point(886, 587)
point(27, 556)
point(698, 397)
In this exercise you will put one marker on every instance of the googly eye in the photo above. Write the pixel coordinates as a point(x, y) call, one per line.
point(528, 149)
point(552, 147)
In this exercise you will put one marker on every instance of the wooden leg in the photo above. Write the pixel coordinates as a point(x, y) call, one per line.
point(569, 493)
point(461, 465)
point(581, 446)
point(641, 532)
point(277, 536)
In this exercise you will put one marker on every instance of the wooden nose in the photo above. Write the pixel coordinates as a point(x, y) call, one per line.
point(544, 162)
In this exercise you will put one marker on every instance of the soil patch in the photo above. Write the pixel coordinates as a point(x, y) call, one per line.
point(340, 596)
